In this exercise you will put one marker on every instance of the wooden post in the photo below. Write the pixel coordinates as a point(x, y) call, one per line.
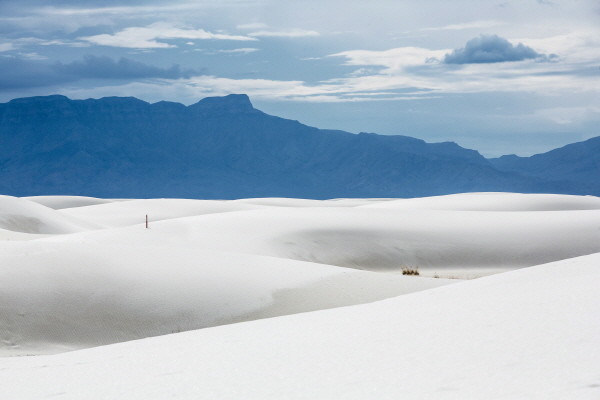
point(146, 221)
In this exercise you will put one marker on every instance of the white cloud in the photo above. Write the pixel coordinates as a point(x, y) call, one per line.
point(415, 67)
point(392, 59)
point(70, 16)
point(118, 10)
point(6, 47)
point(290, 33)
point(63, 43)
point(244, 50)
point(400, 80)
point(467, 25)
point(196, 88)
point(149, 36)
point(206, 85)
point(568, 115)
point(32, 56)
point(394, 74)
point(33, 41)
point(575, 46)
point(252, 26)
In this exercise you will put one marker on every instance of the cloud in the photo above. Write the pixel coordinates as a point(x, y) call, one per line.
point(35, 41)
point(80, 8)
point(404, 73)
point(56, 42)
point(31, 56)
point(252, 26)
point(492, 49)
point(6, 47)
point(409, 83)
point(466, 25)
point(123, 68)
point(27, 73)
point(244, 50)
point(395, 74)
point(393, 59)
point(202, 86)
point(18, 73)
point(568, 115)
point(290, 33)
point(148, 37)
point(20, 43)
point(576, 46)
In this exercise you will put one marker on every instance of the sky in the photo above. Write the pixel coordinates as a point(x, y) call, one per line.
point(502, 77)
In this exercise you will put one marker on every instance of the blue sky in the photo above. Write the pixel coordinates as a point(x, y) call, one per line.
point(497, 76)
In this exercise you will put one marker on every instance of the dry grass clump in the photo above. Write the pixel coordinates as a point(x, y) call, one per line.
point(408, 270)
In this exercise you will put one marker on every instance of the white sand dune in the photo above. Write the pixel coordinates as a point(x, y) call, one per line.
point(526, 334)
point(494, 202)
point(21, 215)
point(5, 234)
point(63, 296)
point(92, 274)
point(442, 242)
point(131, 212)
point(285, 202)
point(60, 202)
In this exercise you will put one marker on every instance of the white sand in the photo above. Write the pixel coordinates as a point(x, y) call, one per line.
point(527, 334)
point(495, 202)
point(60, 202)
point(83, 272)
point(63, 296)
point(132, 212)
point(443, 242)
point(20, 215)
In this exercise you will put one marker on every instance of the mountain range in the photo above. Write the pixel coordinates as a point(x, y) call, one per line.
point(222, 147)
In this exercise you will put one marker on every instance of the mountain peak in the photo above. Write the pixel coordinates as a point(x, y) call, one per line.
point(230, 103)
point(54, 98)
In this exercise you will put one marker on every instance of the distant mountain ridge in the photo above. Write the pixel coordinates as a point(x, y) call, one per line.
point(575, 162)
point(222, 147)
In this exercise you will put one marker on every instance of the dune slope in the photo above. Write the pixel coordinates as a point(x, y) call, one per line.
point(60, 202)
point(62, 296)
point(446, 242)
point(526, 334)
point(21, 215)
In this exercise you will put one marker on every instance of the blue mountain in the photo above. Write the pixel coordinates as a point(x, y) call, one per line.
point(222, 147)
point(577, 162)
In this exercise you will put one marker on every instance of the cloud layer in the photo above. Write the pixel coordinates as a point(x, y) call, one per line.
point(491, 49)
point(289, 33)
point(148, 37)
point(24, 73)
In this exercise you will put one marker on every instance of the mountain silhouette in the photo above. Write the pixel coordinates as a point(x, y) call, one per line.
point(576, 162)
point(222, 147)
